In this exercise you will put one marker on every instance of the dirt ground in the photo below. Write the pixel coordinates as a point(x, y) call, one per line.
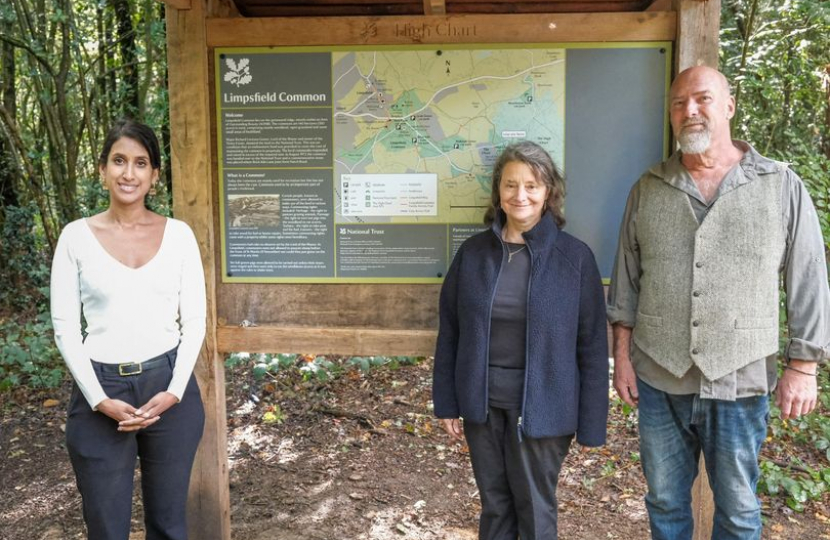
point(359, 457)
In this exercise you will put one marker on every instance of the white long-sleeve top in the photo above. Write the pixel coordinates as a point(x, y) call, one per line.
point(132, 314)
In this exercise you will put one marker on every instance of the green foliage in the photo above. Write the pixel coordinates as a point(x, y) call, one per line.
point(777, 55)
point(627, 413)
point(261, 364)
point(797, 482)
point(812, 431)
point(24, 272)
point(68, 69)
point(320, 368)
point(274, 415)
point(804, 444)
point(28, 356)
point(365, 363)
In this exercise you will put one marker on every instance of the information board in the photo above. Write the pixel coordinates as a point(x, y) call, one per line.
point(374, 164)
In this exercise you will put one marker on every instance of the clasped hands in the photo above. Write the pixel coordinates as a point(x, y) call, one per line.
point(130, 418)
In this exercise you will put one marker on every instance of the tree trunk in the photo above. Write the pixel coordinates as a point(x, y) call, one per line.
point(748, 30)
point(827, 112)
point(148, 15)
point(129, 63)
point(167, 169)
point(66, 122)
point(109, 67)
point(8, 171)
point(104, 116)
point(33, 173)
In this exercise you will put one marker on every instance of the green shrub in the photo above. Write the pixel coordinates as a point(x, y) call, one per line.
point(24, 267)
point(312, 367)
point(28, 355)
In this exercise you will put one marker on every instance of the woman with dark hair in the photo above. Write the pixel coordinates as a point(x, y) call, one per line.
point(136, 278)
point(522, 353)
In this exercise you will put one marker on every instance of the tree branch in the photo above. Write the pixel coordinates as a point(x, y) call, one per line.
point(26, 47)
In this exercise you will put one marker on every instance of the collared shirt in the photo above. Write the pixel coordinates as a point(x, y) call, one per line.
point(803, 267)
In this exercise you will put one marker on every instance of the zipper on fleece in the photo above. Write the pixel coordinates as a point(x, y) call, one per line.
point(527, 342)
point(489, 326)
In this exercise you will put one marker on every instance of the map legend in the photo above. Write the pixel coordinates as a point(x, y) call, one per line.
point(389, 194)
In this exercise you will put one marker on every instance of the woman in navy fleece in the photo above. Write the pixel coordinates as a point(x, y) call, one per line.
point(522, 353)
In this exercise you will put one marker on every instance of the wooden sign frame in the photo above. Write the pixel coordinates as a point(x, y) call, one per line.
point(404, 325)
point(374, 319)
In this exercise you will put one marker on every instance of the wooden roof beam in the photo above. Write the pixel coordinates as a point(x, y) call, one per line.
point(527, 28)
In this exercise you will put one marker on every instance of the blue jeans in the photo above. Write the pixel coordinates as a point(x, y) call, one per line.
point(673, 431)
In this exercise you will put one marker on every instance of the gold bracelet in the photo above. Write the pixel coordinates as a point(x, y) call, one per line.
point(801, 371)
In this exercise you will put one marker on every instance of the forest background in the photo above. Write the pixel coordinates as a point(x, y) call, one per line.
point(69, 68)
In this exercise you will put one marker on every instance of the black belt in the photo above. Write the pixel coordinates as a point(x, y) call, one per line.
point(136, 368)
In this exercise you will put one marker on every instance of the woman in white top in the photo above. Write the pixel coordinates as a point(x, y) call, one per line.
point(136, 279)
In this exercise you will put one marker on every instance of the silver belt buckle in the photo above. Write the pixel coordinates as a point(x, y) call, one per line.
point(130, 368)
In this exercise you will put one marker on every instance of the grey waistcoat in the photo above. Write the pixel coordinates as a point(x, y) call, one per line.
point(709, 292)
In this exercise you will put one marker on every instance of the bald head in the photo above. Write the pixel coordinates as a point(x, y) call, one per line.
point(702, 73)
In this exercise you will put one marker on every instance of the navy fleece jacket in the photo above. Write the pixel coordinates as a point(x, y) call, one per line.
point(566, 385)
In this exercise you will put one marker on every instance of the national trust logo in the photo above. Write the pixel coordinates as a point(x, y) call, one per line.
point(239, 72)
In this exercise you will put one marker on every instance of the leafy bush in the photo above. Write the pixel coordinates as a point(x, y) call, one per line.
point(313, 367)
point(28, 356)
point(24, 268)
point(798, 482)
point(365, 363)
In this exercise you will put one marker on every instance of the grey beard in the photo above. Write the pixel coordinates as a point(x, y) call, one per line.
point(694, 142)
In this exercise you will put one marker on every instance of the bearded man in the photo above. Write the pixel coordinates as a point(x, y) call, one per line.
point(694, 303)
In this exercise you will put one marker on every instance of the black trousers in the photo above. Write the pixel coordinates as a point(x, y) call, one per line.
point(104, 458)
point(516, 480)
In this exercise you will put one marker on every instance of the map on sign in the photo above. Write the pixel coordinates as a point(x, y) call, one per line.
point(424, 127)
point(372, 164)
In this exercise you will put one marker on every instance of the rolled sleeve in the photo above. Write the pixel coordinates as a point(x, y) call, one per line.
point(805, 278)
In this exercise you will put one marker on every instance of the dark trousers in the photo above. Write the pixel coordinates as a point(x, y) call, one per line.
point(104, 458)
point(516, 480)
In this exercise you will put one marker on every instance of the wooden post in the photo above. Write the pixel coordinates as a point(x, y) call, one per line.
point(698, 25)
point(209, 501)
point(703, 504)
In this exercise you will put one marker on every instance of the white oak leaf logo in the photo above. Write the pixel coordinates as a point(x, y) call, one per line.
point(239, 72)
